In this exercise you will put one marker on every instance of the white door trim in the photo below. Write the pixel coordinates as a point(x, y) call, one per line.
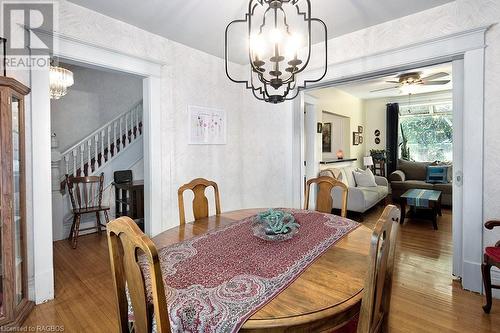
point(470, 45)
point(99, 56)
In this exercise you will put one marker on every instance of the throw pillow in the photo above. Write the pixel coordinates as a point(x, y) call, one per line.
point(364, 178)
point(437, 174)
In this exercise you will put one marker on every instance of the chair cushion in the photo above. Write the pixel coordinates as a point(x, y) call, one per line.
point(493, 253)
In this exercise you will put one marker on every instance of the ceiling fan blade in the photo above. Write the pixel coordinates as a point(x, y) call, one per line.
point(435, 76)
point(392, 81)
point(377, 90)
point(435, 83)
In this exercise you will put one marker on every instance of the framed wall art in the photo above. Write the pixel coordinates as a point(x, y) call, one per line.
point(207, 126)
point(355, 138)
point(327, 137)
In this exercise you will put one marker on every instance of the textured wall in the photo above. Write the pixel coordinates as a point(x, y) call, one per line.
point(253, 168)
point(96, 98)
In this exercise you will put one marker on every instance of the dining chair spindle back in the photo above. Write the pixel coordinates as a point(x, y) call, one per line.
point(127, 243)
point(85, 194)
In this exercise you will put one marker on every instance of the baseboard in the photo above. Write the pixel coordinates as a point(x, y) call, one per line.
point(472, 279)
point(45, 278)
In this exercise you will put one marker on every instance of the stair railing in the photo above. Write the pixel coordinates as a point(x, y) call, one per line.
point(98, 148)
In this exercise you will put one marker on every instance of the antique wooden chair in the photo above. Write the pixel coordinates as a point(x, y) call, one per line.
point(324, 200)
point(377, 291)
point(85, 194)
point(126, 243)
point(491, 258)
point(200, 201)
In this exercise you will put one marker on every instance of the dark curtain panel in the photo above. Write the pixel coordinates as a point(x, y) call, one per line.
point(392, 136)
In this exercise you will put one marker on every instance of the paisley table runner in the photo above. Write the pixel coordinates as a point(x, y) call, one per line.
point(216, 281)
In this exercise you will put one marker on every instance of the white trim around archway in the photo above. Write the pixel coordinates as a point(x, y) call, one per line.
point(469, 45)
point(94, 55)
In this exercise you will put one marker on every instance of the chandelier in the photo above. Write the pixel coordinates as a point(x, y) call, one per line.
point(60, 79)
point(279, 48)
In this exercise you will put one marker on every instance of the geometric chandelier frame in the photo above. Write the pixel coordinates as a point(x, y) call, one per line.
point(276, 52)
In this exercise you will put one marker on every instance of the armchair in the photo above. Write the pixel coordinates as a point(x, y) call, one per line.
point(491, 258)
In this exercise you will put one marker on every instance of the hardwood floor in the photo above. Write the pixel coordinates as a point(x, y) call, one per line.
point(425, 298)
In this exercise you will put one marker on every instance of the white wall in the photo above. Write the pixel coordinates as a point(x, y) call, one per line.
point(343, 104)
point(252, 169)
point(96, 98)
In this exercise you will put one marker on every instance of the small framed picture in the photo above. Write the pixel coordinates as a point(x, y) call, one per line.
point(377, 141)
point(355, 138)
point(360, 129)
point(360, 139)
point(319, 128)
point(377, 132)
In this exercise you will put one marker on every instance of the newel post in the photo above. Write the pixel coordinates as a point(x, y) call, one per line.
point(57, 193)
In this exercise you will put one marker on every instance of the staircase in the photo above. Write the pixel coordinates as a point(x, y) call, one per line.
point(117, 145)
point(91, 154)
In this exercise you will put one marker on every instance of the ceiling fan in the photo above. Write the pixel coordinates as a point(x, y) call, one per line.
point(416, 79)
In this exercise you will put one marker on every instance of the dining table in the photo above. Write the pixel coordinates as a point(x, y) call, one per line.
point(325, 295)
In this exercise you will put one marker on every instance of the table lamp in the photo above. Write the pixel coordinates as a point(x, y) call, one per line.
point(368, 161)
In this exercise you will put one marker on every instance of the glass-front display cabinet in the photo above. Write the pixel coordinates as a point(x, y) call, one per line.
point(14, 303)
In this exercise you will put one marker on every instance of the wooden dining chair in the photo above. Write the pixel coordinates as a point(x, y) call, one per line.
point(126, 243)
point(85, 194)
point(377, 290)
point(200, 201)
point(324, 199)
point(491, 258)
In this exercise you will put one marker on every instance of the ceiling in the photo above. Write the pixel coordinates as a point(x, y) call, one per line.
point(201, 24)
point(363, 89)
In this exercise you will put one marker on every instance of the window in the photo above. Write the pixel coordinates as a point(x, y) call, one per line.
point(428, 130)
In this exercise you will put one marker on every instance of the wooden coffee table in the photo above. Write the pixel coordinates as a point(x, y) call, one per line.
point(428, 200)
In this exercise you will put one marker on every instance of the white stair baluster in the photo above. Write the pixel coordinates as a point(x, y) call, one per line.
point(126, 130)
point(115, 148)
point(82, 152)
point(122, 143)
point(132, 123)
point(66, 164)
point(96, 152)
point(74, 161)
point(108, 155)
point(136, 121)
point(102, 159)
point(89, 156)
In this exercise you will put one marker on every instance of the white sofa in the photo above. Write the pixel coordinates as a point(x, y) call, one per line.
point(359, 199)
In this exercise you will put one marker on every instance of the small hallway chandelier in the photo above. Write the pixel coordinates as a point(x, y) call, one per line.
point(60, 79)
point(279, 48)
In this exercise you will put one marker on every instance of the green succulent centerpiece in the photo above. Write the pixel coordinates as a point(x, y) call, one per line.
point(275, 225)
